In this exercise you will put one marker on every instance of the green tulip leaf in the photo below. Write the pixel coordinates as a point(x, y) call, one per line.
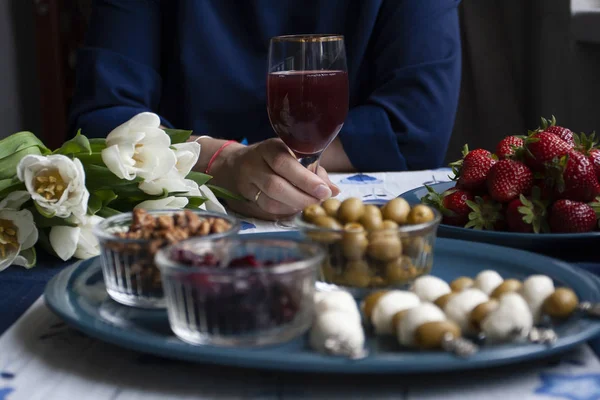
point(79, 144)
point(178, 135)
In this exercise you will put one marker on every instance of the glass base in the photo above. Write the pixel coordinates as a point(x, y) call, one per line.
point(137, 301)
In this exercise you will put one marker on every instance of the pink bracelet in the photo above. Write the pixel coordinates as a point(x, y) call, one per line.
point(214, 157)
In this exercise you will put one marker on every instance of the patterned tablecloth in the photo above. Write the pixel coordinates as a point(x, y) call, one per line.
point(42, 358)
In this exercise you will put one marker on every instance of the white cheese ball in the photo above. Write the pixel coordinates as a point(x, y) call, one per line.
point(535, 290)
point(387, 306)
point(512, 314)
point(414, 318)
point(430, 288)
point(459, 307)
point(487, 281)
point(335, 326)
point(337, 300)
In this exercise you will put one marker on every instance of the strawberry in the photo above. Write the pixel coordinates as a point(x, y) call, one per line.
point(596, 207)
point(573, 177)
point(527, 214)
point(452, 204)
point(566, 135)
point(507, 146)
point(486, 214)
point(471, 171)
point(542, 148)
point(508, 179)
point(594, 158)
point(569, 216)
point(588, 145)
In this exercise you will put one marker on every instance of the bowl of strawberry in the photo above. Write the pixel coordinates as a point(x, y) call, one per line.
point(239, 291)
point(538, 192)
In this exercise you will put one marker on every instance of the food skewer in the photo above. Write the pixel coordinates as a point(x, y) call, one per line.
point(380, 307)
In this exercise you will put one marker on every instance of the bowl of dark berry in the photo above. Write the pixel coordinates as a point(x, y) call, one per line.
point(129, 242)
point(372, 246)
point(240, 291)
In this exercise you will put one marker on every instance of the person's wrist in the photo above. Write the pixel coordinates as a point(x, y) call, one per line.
point(225, 159)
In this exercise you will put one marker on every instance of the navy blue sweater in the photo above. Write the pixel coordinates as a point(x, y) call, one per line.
point(201, 65)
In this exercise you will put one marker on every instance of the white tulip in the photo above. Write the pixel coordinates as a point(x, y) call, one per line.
point(139, 148)
point(187, 155)
point(56, 183)
point(78, 242)
point(172, 182)
point(17, 234)
point(168, 203)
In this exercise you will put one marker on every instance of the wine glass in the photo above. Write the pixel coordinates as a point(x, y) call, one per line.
point(307, 93)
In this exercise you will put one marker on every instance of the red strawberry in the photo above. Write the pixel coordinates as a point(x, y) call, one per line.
point(594, 158)
point(506, 147)
point(565, 134)
point(486, 214)
point(527, 215)
point(542, 148)
point(471, 171)
point(574, 178)
point(572, 217)
point(508, 179)
point(452, 204)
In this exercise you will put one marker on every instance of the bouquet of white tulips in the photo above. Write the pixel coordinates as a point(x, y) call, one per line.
point(54, 198)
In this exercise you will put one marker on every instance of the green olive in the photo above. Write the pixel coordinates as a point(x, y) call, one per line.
point(479, 313)
point(357, 274)
point(354, 245)
point(327, 273)
point(396, 210)
point(377, 281)
point(413, 246)
point(370, 301)
point(331, 206)
point(400, 270)
point(313, 211)
point(385, 248)
point(507, 286)
point(354, 227)
point(389, 225)
point(430, 335)
point(444, 299)
point(351, 210)
point(420, 214)
point(325, 237)
point(462, 283)
point(371, 218)
point(561, 303)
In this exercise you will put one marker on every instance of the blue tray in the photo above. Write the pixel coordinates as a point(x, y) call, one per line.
point(78, 296)
point(567, 246)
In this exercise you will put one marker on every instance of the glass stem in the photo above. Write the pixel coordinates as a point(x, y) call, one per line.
point(311, 162)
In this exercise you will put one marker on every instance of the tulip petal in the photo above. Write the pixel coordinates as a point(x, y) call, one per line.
point(9, 259)
point(167, 203)
point(212, 203)
point(187, 156)
point(15, 200)
point(26, 258)
point(114, 162)
point(156, 162)
point(63, 240)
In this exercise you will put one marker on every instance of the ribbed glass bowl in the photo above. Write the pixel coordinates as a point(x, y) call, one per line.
point(130, 273)
point(245, 305)
point(383, 259)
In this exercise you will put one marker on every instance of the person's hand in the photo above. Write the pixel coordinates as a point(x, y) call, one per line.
point(274, 183)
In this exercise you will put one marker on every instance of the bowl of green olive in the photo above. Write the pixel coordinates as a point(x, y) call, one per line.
point(372, 246)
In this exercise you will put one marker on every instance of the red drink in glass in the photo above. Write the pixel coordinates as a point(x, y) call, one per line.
point(307, 108)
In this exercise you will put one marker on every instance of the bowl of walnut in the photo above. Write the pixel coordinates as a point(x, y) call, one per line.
point(372, 245)
point(129, 242)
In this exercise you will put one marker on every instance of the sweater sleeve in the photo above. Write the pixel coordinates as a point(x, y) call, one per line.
point(406, 119)
point(118, 68)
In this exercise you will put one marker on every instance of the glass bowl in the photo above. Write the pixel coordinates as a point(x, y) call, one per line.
point(361, 262)
point(240, 291)
point(130, 273)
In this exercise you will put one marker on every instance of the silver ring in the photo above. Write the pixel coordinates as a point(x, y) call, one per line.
point(257, 195)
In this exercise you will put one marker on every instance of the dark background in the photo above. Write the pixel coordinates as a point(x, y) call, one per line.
point(522, 59)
